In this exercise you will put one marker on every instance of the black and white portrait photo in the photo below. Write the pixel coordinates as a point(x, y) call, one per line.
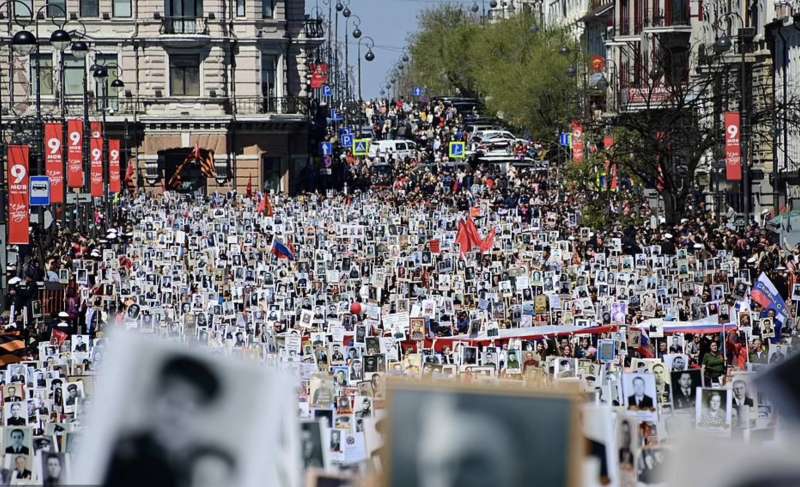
point(639, 391)
point(683, 385)
point(713, 409)
point(311, 444)
point(172, 415)
point(438, 438)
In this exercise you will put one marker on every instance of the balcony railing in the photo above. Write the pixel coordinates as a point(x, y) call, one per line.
point(313, 28)
point(255, 105)
point(73, 106)
point(184, 25)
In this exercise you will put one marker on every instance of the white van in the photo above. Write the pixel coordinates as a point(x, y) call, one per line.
point(401, 148)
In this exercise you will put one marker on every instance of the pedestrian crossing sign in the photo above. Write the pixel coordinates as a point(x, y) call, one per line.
point(360, 147)
point(457, 150)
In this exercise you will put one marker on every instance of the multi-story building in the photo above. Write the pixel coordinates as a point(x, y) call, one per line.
point(225, 76)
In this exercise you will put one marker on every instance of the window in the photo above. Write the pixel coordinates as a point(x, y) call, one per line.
point(56, 8)
point(110, 62)
point(240, 11)
point(182, 16)
point(121, 8)
point(184, 75)
point(44, 62)
point(90, 8)
point(73, 75)
point(20, 11)
point(269, 72)
point(267, 9)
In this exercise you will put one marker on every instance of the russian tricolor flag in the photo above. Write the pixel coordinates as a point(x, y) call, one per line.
point(282, 251)
point(767, 296)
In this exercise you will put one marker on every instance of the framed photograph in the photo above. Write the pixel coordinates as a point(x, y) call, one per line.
point(151, 385)
point(312, 444)
point(535, 435)
point(713, 409)
point(639, 391)
point(744, 402)
point(606, 350)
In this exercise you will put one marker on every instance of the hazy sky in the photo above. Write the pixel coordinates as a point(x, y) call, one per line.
point(389, 22)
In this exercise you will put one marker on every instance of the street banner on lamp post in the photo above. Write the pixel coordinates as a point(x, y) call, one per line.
point(75, 153)
point(577, 141)
point(114, 183)
point(733, 148)
point(19, 211)
point(96, 158)
point(54, 160)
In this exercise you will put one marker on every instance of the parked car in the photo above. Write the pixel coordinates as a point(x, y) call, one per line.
point(401, 148)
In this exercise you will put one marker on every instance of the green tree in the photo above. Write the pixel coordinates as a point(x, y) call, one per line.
point(524, 76)
point(441, 50)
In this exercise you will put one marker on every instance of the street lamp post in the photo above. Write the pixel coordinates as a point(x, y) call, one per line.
point(346, 13)
point(721, 45)
point(369, 56)
point(339, 8)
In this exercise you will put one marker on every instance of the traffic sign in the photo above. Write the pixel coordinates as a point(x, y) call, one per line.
point(345, 131)
point(326, 91)
point(73, 198)
point(563, 140)
point(327, 161)
point(327, 149)
point(419, 91)
point(346, 140)
point(457, 150)
point(360, 147)
point(40, 190)
point(335, 116)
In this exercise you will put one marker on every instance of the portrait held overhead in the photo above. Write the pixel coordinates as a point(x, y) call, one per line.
point(387, 243)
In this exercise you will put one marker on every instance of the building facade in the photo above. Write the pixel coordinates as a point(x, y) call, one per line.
point(227, 77)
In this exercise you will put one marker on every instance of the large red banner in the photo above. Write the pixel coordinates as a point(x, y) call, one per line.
point(733, 149)
point(54, 160)
point(577, 141)
point(114, 185)
point(75, 153)
point(319, 75)
point(19, 213)
point(96, 158)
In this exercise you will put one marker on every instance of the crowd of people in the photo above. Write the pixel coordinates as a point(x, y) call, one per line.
point(472, 273)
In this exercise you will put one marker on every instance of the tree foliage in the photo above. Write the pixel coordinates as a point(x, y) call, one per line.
point(513, 65)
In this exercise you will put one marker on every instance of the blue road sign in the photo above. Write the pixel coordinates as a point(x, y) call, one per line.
point(360, 147)
point(563, 140)
point(40, 190)
point(419, 91)
point(335, 116)
point(346, 140)
point(326, 91)
point(345, 131)
point(457, 150)
point(327, 149)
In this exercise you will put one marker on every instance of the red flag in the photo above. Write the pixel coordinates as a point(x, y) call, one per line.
point(268, 205)
point(435, 246)
point(75, 153)
point(250, 186)
point(488, 243)
point(58, 337)
point(463, 239)
point(54, 160)
point(262, 205)
point(19, 213)
point(113, 166)
point(472, 233)
point(129, 174)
